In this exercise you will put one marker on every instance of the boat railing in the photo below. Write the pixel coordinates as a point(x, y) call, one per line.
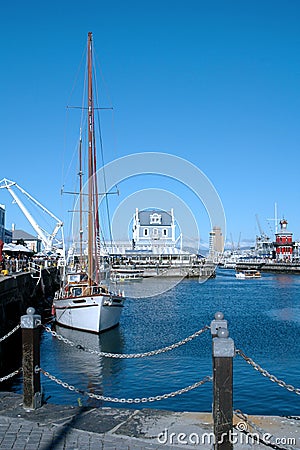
point(35, 269)
point(81, 290)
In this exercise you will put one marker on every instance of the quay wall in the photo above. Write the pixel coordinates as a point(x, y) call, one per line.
point(17, 293)
point(175, 270)
point(270, 267)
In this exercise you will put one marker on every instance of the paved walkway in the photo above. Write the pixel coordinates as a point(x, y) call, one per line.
point(60, 427)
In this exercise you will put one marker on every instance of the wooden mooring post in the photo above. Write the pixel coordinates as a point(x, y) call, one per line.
point(32, 397)
point(223, 353)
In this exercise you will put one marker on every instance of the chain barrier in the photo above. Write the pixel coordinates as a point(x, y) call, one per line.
point(7, 377)
point(124, 400)
point(130, 355)
point(262, 436)
point(266, 374)
point(10, 333)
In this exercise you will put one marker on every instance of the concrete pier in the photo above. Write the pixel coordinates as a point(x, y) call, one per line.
point(23, 289)
point(18, 292)
point(61, 427)
point(276, 267)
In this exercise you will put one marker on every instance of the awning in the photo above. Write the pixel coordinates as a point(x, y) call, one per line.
point(16, 248)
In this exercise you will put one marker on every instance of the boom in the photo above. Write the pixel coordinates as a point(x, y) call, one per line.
point(46, 238)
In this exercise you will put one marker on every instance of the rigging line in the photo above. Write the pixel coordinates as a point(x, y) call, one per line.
point(99, 67)
point(102, 161)
point(84, 108)
point(103, 239)
point(96, 209)
point(84, 194)
point(70, 96)
point(83, 121)
point(82, 118)
point(83, 100)
point(95, 201)
point(83, 55)
point(70, 164)
point(105, 188)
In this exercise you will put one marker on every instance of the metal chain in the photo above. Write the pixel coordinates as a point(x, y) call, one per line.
point(130, 355)
point(10, 333)
point(261, 431)
point(125, 400)
point(16, 372)
point(266, 374)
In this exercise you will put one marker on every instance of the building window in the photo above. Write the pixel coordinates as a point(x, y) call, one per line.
point(155, 231)
point(165, 232)
point(155, 218)
point(145, 231)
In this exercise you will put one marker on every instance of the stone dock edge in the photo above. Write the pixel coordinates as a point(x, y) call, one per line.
point(79, 428)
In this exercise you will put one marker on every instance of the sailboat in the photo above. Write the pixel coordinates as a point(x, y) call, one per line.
point(84, 302)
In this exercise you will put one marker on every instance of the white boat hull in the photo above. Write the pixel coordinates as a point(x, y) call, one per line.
point(246, 276)
point(240, 276)
point(95, 313)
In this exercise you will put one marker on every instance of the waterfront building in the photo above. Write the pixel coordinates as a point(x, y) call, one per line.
point(31, 242)
point(284, 244)
point(153, 233)
point(5, 235)
point(154, 228)
point(155, 249)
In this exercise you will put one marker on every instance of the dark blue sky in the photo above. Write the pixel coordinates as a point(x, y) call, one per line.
point(214, 82)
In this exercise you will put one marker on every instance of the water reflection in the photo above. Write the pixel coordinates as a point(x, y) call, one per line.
point(286, 314)
point(111, 341)
point(78, 365)
point(286, 280)
point(147, 287)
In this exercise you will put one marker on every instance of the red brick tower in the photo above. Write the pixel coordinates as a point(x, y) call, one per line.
point(284, 243)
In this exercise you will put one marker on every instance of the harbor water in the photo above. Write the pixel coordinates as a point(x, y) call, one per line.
point(264, 321)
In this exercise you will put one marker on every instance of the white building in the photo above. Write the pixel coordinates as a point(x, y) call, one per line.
point(154, 228)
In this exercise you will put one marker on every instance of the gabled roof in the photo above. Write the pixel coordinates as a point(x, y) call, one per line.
point(144, 217)
point(20, 234)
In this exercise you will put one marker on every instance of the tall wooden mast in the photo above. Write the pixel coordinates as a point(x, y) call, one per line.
point(80, 203)
point(90, 164)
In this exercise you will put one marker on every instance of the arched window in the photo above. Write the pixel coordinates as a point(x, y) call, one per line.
point(155, 218)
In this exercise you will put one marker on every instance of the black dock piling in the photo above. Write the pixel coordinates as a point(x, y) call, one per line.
point(32, 398)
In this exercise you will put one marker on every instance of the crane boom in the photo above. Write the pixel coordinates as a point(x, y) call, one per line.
point(262, 233)
point(46, 238)
point(258, 224)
